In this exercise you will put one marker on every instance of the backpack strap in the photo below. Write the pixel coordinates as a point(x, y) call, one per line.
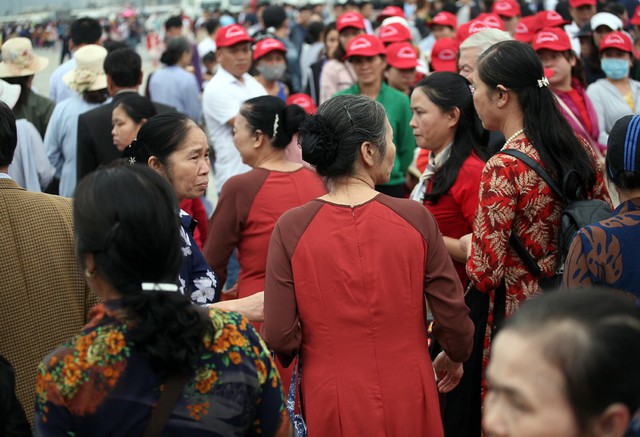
point(535, 167)
point(530, 262)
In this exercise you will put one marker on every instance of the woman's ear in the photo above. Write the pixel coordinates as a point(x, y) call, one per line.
point(155, 164)
point(368, 152)
point(502, 96)
point(453, 116)
point(260, 138)
point(612, 422)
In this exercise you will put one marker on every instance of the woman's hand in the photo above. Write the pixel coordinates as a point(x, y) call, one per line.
point(465, 244)
point(448, 372)
point(252, 307)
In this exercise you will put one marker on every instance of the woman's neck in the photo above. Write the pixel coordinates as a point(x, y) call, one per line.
point(620, 83)
point(351, 190)
point(564, 85)
point(267, 84)
point(276, 160)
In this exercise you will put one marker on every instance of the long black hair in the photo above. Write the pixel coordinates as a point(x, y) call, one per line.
point(260, 113)
point(127, 217)
point(517, 67)
point(447, 91)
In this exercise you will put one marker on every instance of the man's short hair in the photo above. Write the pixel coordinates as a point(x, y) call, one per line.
point(8, 135)
point(173, 22)
point(211, 25)
point(124, 67)
point(274, 16)
point(85, 30)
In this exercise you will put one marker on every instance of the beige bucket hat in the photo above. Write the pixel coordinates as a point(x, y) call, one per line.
point(89, 72)
point(18, 59)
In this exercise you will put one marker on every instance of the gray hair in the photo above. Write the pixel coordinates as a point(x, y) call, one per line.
point(484, 39)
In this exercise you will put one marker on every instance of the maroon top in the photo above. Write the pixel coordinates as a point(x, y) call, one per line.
point(247, 210)
point(345, 288)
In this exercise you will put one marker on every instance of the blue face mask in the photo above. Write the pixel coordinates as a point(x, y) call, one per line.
point(615, 68)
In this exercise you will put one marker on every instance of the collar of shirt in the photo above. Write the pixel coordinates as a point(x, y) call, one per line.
point(440, 158)
point(4, 176)
point(228, 77)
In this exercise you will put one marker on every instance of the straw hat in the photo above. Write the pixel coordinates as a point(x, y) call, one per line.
point(18, 59)
point(89, 72)
point(9, 93)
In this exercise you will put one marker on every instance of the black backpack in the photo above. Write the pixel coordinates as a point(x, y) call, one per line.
point(576, 214)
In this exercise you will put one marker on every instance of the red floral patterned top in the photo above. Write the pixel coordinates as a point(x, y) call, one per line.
point(98, 385)
point(513, 197)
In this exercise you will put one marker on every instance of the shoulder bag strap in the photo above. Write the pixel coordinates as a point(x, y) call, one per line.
point(530, 263)
point(166, 402)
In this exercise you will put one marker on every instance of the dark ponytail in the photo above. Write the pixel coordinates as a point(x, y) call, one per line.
point(516, 66)
point(127, 217)
point(261, 112)
point(447, 91)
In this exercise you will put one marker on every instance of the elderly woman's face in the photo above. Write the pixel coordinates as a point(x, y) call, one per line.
point(526, 395)
point(188, 165)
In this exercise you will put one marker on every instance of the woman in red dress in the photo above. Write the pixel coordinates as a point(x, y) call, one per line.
point(347, 277)
point(513, 96)
point(445, 123)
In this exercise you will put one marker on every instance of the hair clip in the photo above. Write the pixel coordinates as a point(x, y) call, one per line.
point(543, 82)
point(275, 125)
point(158, 286)
point(349, 115)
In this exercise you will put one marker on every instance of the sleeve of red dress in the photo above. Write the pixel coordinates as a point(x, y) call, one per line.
point(229, 217)
point(281, 328)
point(452, 326)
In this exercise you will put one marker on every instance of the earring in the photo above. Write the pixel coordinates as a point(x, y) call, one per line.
point(89, 274)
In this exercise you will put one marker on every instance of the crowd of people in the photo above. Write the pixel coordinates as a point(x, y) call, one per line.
point(421, 219)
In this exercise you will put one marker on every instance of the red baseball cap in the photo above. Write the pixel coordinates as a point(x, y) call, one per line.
point(267, 45)
point(402, 55)
point(578, 3)
point(635, 20)
point(390, 11)
point(616, 40)
point(475, 26)
point(551, 38)
point(231, 35)
point(527, 28)
point(550, 19)
point(444, 55)
point(492, 20)
point(364, 45)
point(394, 32)
point(304, 101)
point(444, 19)
point(506, 8)
point(350, 19)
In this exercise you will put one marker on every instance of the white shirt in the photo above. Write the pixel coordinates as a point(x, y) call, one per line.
point(30, 167)
point(572, 29)
point(221, 101)
point(58, 90)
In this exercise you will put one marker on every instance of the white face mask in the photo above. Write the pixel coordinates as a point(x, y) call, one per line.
point(272, 72)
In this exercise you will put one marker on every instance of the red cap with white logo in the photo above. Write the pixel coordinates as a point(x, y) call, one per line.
point(551, 38)
point(444, 19)
point(635, 20)
point(394, 32)
point(364, 45)
point(304, 101)
point(267, 45)
point(550, 19)
point(506, 8)
point(527, 28)
point(390, 11)
point(444, 55)
point(402, 56)
point(488, 21)
point(232, 34)
point(350, 19)
point(616, 40)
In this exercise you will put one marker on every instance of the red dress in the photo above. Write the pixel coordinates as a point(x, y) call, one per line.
point(345, 287)
point(456, 210)
point(247, 210)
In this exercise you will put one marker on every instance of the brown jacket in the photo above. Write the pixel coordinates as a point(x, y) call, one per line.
point(44, 299)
